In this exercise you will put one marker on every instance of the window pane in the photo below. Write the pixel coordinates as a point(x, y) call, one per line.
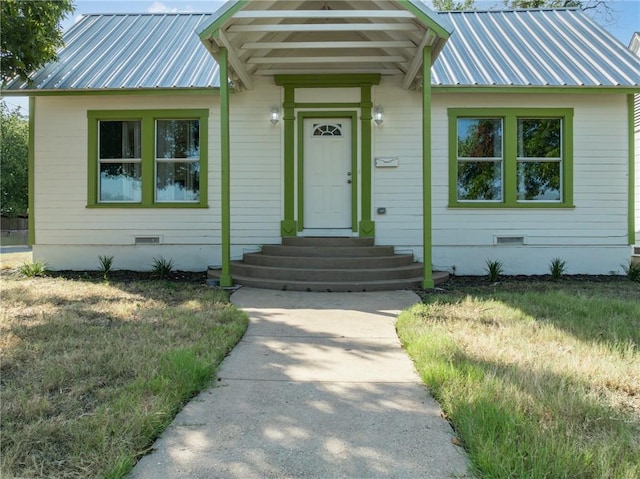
point(480, 180)
point(539, 180)
point(178, 139)
point(479, 138)
point(539, 138)
point(119, 139)
point(176, 181)
point(120, 182)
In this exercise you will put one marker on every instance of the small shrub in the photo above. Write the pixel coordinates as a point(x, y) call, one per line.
point(494, 269)
point(632, 270)
point(557, 268)
point(34, 268)
point(106, 263)
point(162, 267)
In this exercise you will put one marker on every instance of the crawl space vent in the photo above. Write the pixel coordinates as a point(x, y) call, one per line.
point(509, 240)
point(147, 239)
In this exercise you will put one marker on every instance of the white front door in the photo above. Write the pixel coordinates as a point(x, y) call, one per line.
point(327, 173)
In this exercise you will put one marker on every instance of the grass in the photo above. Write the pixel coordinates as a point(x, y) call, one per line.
point(539, 380)
point(14, 260)
point(92, 372)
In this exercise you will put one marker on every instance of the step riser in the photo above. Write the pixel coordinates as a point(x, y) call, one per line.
point(260, 259)
point(327, 287)
point(322, 241)
point(338, 276)
point(328, 251)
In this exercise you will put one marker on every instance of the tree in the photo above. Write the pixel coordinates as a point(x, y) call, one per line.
point(601, 8)
point(14, 152)
point(31, 35)
point(450, 5)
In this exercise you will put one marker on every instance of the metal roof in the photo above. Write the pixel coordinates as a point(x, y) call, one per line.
point(130, 51)
point(560, 47)
point(490, 48)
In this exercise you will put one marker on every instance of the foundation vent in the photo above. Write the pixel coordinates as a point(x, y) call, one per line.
point(636, 251)
point(509, 240)
point(147, 239)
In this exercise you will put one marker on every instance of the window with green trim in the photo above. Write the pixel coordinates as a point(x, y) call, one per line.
point(148, 158)
point(510, 157)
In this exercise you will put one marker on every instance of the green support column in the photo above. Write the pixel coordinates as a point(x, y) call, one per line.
point(31, 171)
point(427, 281)
point(225, 161)
point(288, 225)
point(367, 226)
point(632, 171)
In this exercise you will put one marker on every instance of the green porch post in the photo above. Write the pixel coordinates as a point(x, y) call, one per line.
point(288, 225)
point(367, 226)
point(31, 171)
point(225, 155)
point(427, 281)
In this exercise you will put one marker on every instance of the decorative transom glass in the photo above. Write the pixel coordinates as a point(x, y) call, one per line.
point(327, 129)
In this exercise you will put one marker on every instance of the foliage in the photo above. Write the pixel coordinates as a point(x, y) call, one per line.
point(162, 267)
point(632, 270)
point(557, 268)
point(34, 268)
point(451, 5)
point(14, 155)
point(494, 269)
point(31, 35)
point(599, 8)
point(106, 264)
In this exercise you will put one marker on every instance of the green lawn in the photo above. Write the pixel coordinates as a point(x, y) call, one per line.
point(539, 379)
point(92, 371)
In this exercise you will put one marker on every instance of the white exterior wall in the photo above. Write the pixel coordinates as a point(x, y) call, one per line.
point(591, 238)
point(636, 145)
point(71, 236)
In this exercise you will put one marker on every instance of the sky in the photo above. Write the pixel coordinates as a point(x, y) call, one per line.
point(624, 22)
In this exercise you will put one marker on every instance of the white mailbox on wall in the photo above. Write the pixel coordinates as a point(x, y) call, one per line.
point(382, 162)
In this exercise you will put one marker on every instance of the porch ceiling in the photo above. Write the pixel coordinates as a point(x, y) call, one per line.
point(266, 38)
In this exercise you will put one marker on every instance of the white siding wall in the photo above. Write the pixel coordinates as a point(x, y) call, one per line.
point(637, 165)
point(592, 238)
point(71, 236)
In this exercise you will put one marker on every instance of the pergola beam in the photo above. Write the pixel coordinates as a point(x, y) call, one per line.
point(414, 67)
point(350, 59)
point(235, 62)
point(323, 27)
point(253, 14)
point(326, 71)
point(326, 45)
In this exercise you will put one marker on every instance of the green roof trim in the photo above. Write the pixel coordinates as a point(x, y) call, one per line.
point(221, 16)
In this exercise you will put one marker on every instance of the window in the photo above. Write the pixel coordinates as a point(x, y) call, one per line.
point(510, 157)
point(148, 158)
point(327, 129)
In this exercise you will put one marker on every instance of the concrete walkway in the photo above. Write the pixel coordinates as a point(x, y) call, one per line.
point(319, 387)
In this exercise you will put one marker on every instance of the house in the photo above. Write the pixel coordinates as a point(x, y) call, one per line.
point(455, 138)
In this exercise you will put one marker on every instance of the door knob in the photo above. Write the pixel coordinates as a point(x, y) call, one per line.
point(348, 182)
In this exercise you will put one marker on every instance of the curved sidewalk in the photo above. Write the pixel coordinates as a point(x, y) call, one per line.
point(319, 387)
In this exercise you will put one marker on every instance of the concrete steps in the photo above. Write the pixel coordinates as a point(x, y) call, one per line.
point(328, 264)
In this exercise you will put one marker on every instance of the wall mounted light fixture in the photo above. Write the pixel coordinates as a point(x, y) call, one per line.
point(275, 115)
point(378, 113)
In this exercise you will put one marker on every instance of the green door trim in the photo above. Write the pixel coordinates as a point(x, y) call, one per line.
point(632, 173)
point(290, 225)
point(353, 116)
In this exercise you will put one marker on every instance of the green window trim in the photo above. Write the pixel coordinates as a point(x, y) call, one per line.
point(148, 119)
point(509, 182)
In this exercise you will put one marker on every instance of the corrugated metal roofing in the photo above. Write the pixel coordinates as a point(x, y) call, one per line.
point(533, 48)
point(130, 51)
point(491, 48)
